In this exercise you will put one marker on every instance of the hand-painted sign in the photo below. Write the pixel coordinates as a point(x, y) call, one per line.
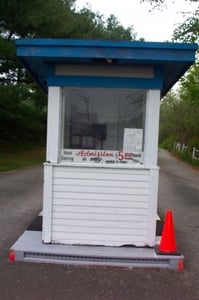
point(101, 156)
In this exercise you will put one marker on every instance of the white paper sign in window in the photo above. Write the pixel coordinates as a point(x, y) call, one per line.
point(132, 141)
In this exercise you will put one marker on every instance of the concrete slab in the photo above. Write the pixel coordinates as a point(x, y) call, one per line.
point(29, 247)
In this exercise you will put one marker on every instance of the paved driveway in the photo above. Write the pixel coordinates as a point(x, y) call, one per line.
point(20, 202)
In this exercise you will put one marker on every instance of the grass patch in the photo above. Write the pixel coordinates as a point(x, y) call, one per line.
point(11, 160)
point(187, 157)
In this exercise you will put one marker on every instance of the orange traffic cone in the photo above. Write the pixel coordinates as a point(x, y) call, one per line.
point(168, 241)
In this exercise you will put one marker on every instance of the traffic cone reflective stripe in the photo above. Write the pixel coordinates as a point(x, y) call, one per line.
point(12, 256)
point(168, 241)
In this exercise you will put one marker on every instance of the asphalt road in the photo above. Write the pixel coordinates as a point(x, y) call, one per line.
point(20, 202)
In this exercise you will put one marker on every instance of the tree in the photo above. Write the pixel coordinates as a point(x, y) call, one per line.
point(22, 115)
point(178, 120)
point(182, 110)
point(33, 18)
point(161, 3)
point(168, 120)
point(21, 120)
point(87, 24)
point(189, 89)
point(115, 31)
point(189, 30)
point(48, 19)
point(179, 115)
point(22, 105)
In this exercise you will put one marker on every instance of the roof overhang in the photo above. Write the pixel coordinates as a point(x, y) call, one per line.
point(174, 59)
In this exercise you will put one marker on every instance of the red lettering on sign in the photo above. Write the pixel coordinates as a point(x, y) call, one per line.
point(123, 155)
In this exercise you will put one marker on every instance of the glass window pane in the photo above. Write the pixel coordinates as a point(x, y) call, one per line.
point(102, 119)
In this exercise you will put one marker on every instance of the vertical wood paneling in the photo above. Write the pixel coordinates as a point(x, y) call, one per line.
point(151, 127)
point(153, 195)
point(53, 124)
point(47, 203)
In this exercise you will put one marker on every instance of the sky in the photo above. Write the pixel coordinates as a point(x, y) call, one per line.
point(156, 25)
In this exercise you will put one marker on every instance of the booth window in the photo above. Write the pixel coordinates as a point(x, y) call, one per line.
point(101, 124)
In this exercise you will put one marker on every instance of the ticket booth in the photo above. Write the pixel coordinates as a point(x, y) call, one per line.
point(101, 172)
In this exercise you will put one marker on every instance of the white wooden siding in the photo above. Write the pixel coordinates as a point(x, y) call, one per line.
point(53, 124)
point(151, 128)
point(97, 206)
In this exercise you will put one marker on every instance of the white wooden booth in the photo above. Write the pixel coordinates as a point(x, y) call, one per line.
point(101, 172)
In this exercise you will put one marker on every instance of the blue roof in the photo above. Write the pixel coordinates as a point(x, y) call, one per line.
point(174, 59)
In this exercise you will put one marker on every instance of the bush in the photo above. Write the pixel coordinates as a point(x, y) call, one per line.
point(186, 156)
point(194, 143)
point(168, 143)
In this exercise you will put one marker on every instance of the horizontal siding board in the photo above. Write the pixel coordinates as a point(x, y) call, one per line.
point(99, 230)
point(100, 190)
point(100, 210)
point(101, 183)
point(99, 237)
point(144, 177)
point(58, 196)
point(102, 206)
point(99, 203)
point(100, 170)
point(93, 217)
point(104, 224)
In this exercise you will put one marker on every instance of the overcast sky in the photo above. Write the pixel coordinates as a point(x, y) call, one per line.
point(152, 26)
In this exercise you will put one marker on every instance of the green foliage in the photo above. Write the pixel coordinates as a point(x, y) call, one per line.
point(115, 31)
point(179, 117)
point(168, 142)
point(21, 120)
point(8, 63)
point(190, 86)
point(168, 121)
point(186, 156)
point(161, 3)
point(18, 158)
point(87, 24)
point(189, 30)
point(194, 142)
point(22, 105)
point(33, 18)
